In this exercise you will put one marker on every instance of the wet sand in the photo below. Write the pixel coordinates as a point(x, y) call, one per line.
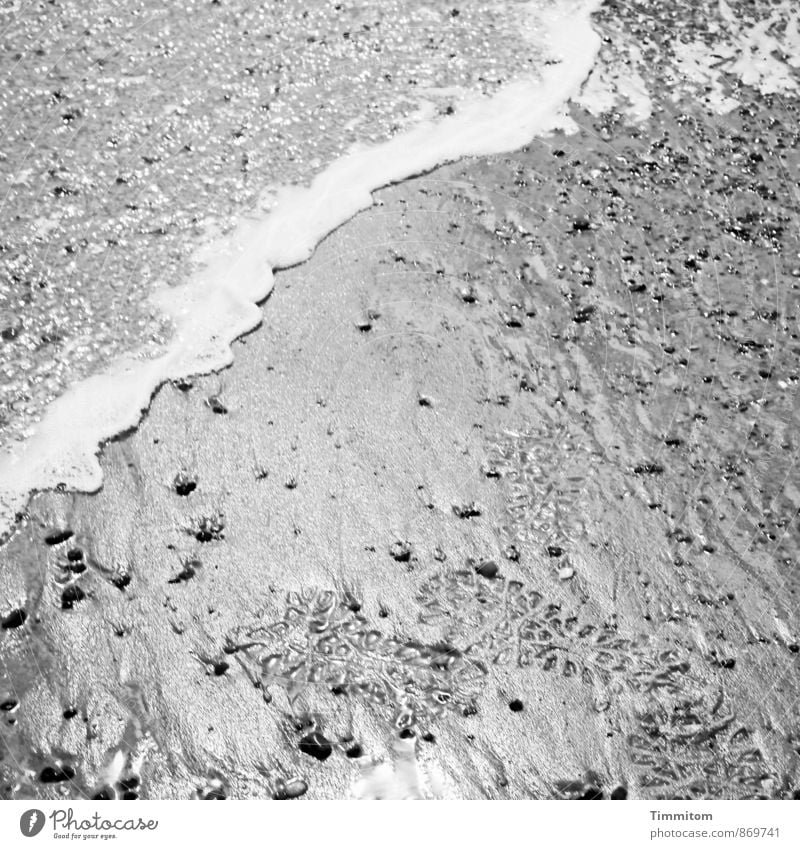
point(498, 502)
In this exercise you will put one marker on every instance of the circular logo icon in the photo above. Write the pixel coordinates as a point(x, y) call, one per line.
point(31, 822)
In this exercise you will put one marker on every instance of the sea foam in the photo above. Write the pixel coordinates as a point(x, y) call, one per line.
point(220, 302)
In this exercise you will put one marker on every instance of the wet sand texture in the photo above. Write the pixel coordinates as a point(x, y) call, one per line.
point(500, 503)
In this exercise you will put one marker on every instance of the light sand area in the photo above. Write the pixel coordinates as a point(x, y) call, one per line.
point(510, 418)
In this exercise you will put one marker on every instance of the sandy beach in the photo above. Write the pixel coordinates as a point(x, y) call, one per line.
point(499, 502)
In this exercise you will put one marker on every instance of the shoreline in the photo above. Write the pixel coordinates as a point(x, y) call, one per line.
point(461, 443)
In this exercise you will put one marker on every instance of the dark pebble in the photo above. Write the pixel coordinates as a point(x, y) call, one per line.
point(70, 713)
point(554, 550)
point(583, 315)
point(400, 551)
point(592, 794)
point(407, 734)
point(121, 581)
point(8, 705)
point(648, 469)
point(619, 793)
point(57, 537)
point(74, 555)
point(55, 774)
point(466, 511)
point(105, 793)
point(214, 795)
point(216, 405)
point(487, 569)
point(516, 705)
point(71, 595)
point(186, 574)
point(130, 783)
point(354, 751)
point(15, 619)
point(317, 746)
point(295, 788)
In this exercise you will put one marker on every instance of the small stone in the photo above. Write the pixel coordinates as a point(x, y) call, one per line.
point(70, 596)
point(105, 793)
point(516, 705)
point(317, 746)
point(487, 569)
point(295, 787)
point(55, 774)
point(15, 619)
point(57, 537)
point(216, 405)
point(400, 551)
point(565, 573)
point(467, 511)
point(184, 485)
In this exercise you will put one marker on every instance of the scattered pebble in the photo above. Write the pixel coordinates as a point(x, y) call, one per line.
point(487, 569)
point(215, 404)
point(56, 774)
point(294, 788)
point(71, 596)
point(467, 511)
point(400, 551)
point(58, 537)
point(184, 485)
point(316, 745)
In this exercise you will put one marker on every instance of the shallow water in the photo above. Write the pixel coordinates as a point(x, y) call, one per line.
point(131, 131)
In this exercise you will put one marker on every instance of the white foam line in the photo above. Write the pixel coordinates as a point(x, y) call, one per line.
point(219, 303)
